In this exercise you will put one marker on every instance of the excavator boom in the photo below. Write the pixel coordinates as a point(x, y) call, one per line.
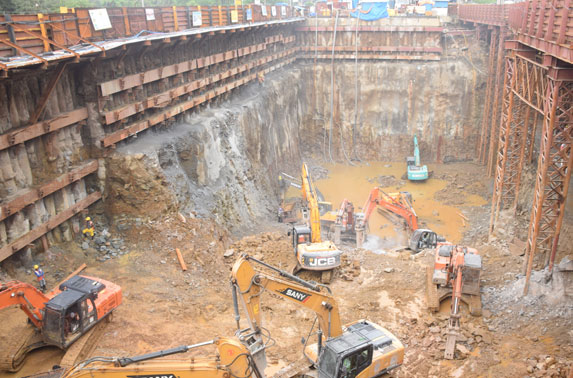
point(30, 300)
point(309, 195)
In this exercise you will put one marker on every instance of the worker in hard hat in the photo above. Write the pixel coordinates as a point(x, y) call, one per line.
point(89, 229)
point(40, 277)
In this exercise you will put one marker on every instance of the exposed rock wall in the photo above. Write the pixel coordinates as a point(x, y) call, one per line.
point(440, 102)
point(223, 162)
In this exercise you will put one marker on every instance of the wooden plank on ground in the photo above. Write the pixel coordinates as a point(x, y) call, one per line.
point(45, 227)
point(32, 195)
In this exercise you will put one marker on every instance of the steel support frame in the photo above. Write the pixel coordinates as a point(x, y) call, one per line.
point(553, 174)
point(486, 120)
point(507, 114)
point(526, 99)
point(495, 106)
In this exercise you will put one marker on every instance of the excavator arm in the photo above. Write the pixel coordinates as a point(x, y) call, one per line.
point(369, 206)
point(249, 285)
point(400, 205)
point(30, 300)
point(233, 360)
point(310, 196)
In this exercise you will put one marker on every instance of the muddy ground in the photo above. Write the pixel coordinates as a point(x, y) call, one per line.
point(164, 307)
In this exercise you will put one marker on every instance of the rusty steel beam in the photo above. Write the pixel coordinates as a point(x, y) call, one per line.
point(493, 138)
point(424, 49)
point(32, 195)
point(46, 40)
point(117, 85)
point(553, 174)
point(25, 50)
point(503, 144)
point(47, 226)
point(46, 95)
point(352, 29)
point(486, 118)
point(123, 112)
point(24, 134)
point(432, 57)
point(119, 135)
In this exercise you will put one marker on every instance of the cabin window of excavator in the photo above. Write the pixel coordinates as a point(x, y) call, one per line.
point(328, 363)
point(354, 363)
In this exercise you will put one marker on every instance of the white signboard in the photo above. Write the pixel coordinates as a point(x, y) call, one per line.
point(197, 18)
point(249, 15)
point(100, 19)
point(283, 11)
point(273, 11)
point(264, 11)
point(149, 14)
point(257, 2)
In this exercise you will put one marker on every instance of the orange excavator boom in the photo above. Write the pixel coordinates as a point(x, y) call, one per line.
point(30, 300)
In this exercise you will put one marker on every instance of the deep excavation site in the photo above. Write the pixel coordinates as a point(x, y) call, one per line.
point(398, 176)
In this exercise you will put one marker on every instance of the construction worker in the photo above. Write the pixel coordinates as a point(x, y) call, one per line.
point(281, 214)
point(261, 77)
point(89, 229)
point(40, 277)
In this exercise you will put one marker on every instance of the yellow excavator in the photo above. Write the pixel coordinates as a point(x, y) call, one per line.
point(311, 252)
point(359, 349)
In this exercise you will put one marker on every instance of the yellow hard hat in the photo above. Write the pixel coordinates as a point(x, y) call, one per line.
point(36, 266)
point(88, 218)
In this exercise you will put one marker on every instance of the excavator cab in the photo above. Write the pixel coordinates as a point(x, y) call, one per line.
point(354, 352)
point(300, 235)
point(424, 239)
point(72, 312)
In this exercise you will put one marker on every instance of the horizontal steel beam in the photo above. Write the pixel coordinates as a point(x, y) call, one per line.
point(352, 29)
point(47, 226)
point(24, 134)
point(117, 85)
point(133, 129)
point(123, 112)
point(310, 55)
point(31, 195)
point(424, 49)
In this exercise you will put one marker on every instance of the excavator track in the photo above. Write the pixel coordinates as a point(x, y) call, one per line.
point(81, 349)
point(13, 355)
point(296, 369)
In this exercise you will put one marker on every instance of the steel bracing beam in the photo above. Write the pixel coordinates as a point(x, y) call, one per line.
point(517, 129)
point(486, 117)
point(507, 114)
point(495, 106)
point(553, 173)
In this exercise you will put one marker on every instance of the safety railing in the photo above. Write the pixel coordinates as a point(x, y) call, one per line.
point(39, 33)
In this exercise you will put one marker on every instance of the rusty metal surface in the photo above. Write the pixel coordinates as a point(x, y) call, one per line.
point(88, 50)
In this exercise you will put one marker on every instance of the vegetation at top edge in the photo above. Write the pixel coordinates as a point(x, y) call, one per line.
point(53, 6)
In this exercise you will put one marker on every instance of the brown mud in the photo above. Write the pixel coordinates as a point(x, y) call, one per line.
point(164, 307)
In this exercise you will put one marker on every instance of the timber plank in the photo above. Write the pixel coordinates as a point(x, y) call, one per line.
point(32, 195)
point(45, 227)
point(119, 135)
point(26, 133)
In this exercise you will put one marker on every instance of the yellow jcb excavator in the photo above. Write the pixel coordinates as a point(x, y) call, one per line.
point(359, 349)
point(310, 251)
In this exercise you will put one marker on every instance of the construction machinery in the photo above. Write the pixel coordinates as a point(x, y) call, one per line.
point(310, 251)
point(416, 171)
point(358, 349)
point(234, 359)
point(400, 205)
point(456, 274)
point(59, 318)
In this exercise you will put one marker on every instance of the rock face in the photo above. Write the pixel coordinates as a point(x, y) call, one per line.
point(223, 161)
point(440, 102)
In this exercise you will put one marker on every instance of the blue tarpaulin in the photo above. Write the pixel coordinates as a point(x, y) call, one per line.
point(370, 11)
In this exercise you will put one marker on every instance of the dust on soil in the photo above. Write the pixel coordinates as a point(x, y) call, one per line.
point(164, 307)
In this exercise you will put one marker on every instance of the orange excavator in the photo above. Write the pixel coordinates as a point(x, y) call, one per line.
point(398, 204)
point(59, 318)
point(456, 274)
